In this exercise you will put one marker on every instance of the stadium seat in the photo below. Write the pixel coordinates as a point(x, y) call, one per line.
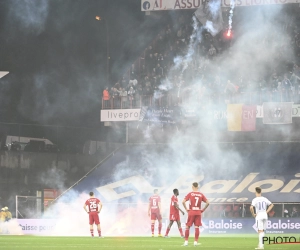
point(271, 213)
point(216, 208)
point(228, 208)
point(230, 214)
point(236, 214)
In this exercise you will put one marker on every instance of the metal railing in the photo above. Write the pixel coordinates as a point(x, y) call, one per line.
point(175, 99)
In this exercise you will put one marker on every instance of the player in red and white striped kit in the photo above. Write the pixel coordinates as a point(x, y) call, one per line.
point(194, 212)
point(154, 211)
point(93, 207)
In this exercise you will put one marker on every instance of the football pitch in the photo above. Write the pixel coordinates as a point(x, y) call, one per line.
point(85, 243)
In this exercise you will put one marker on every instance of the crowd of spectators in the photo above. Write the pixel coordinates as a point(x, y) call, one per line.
point(158, 79)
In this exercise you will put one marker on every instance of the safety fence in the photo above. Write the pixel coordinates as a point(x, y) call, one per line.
point(194, 98)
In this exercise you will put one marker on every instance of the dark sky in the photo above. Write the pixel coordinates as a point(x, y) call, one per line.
point(55, 51)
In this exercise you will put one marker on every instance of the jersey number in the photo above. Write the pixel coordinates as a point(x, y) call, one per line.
point(197, 200)
point(93, 204)
point(262, 205)
point(154, 202)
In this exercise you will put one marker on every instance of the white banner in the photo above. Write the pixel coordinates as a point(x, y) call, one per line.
point(277, 112)
point(120, 115)
point(154, 5)
point(295, 111)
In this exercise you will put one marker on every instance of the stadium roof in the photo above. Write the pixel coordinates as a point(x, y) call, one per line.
point(3, 73)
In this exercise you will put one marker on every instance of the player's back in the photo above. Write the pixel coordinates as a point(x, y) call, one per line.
point(195, 199)
point(92, 203)
point(261, 205)
point(154, 201)
point(173, 209)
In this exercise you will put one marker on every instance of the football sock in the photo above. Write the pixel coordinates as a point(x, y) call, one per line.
point(152, 228)
point(187, 233)
point(180, 231)
point(159, 228)
point(260, 238)
point(197, 232)
point(92, 232)
point(99, 232)
point(167, 232)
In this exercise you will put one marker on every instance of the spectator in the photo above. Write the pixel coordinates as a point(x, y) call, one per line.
point(115, 97)
point(294, 212)
point(286, 213)
point(132, 72)
point(123, 96)
point(161, 60)
point(286, 88)
point(212, 52)
point(134, 83)
point(147, 93)
point(147, 81)
point(124, 82)
point(230, 90)
point(106, 98)
point(117, 85)
point(159, 70)
point(150, 63)
point(138, 94)
point(148, 51)
point(271, 213)
point(8, 214)
point(274, 87)
point(143, 72)
point(131, 93)
point(130, 84)
point(111, 92)
point(2, 218)
point(222, 212)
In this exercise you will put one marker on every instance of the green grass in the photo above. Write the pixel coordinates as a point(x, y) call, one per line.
point(86, 243)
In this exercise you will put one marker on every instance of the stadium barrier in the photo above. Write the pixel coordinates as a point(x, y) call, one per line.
point(209, 227)
point(173, 99)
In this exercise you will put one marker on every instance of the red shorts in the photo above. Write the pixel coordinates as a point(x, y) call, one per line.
point(94, 218)
point(155, 216)
point(175, 217)
point(194, 219)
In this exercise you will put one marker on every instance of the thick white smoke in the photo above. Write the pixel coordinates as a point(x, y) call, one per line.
point(251, 55)
point(31, 15)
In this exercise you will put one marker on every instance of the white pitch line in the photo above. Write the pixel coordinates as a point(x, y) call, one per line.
point(110, 246)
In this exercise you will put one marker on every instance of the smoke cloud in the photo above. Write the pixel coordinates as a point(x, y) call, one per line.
point(252, 55)
point(31, 15)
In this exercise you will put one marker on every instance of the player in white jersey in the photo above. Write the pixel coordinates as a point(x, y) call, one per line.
point(262, 207)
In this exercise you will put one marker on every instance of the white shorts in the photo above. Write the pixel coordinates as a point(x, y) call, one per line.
point(261, 221)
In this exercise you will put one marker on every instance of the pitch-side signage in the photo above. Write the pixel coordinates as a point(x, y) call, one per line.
point(209, 226)
point(248, 225)
point(155, 5)
point(36, 226)
point(120, 115)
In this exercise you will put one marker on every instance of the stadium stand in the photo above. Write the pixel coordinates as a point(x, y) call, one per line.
point(153, 81)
